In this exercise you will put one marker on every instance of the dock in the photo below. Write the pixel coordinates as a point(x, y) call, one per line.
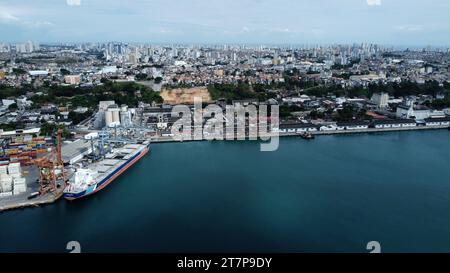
point(21, 200)
point(166, 139)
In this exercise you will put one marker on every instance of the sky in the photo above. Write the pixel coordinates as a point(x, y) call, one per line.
point(389, 22)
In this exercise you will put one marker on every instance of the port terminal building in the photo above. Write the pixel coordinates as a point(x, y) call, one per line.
point(73, 152)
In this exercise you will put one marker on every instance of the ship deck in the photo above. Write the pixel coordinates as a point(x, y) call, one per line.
point(113, 160)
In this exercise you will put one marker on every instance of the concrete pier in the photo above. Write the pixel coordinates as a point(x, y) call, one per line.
point(21, 201)
point(161, 139)
point(31, 175)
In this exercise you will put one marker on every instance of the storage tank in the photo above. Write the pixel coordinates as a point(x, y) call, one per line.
point(125, 118)
point(108, 117)
point(116, 115)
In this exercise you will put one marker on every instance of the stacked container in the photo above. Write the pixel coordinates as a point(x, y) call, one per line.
point(4, 169)
point(14, 169)
point(11, 181)
point(5, 194)
point(20, 186)
point(5, 183)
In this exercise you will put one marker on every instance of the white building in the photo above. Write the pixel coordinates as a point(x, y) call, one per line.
point(7, 102)
point(380, 99)
point(109, 70)
point(37, 73)
point(297, 128)
point(438, 121)
point(356, 125)
point(23, 102)
point(399, 123)
point(72, 79)
point(407, 112)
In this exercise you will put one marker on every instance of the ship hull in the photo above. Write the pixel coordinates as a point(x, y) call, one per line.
point(110, 178)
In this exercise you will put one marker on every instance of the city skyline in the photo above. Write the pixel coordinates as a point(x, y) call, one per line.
point(399, 23)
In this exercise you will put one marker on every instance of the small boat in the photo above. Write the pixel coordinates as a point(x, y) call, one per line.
point(307, 136)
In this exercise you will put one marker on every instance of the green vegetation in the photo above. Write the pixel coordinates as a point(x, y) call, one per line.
point(238, 91)
point(64, 72)
point(141, 77)
point(316, 114)
point(11, 126)
point(7, 92)
point(158, 80)
point(19, 71)
point(50, 129)
point(441, 104)
point(350, 113)
point(150, 96)
point(287, 110)
point(410, 88)
point(13, 107)
point(394, 89)
point(77, 118)
point(123, 93)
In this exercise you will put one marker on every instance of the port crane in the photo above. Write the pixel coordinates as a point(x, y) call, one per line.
point(51, 168)
point(102, 140)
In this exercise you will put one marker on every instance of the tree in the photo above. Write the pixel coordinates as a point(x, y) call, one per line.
point(77, 118)
point(316, 114)
point(351, 112)
point(13, 107)
point(64, 72)
point(9, 126)
point(151, 96)
point(50, 129)
point(19, 71)
point(141, 77)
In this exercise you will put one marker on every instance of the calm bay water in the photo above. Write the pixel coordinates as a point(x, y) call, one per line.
point(332, 194)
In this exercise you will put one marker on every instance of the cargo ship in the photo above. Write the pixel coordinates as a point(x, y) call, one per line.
point(96, 176)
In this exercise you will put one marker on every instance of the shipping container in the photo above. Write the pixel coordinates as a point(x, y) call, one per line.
point(6, 194)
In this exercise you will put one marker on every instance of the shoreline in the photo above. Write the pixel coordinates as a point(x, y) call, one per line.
point(41, 201)
point(169, 139)
point(52, 198)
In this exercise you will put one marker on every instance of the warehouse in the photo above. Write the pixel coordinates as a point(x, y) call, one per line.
point(394, 123)
point(353, 125)
point(297, 127)
point(75, 151)
point(438, 121)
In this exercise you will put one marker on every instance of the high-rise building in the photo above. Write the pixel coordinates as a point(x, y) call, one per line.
point(27, 47)
point(380, 99)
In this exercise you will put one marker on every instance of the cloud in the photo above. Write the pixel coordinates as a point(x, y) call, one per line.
point(374, 2)
point(73, 2)
point(409, 28)
point(7, 17)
